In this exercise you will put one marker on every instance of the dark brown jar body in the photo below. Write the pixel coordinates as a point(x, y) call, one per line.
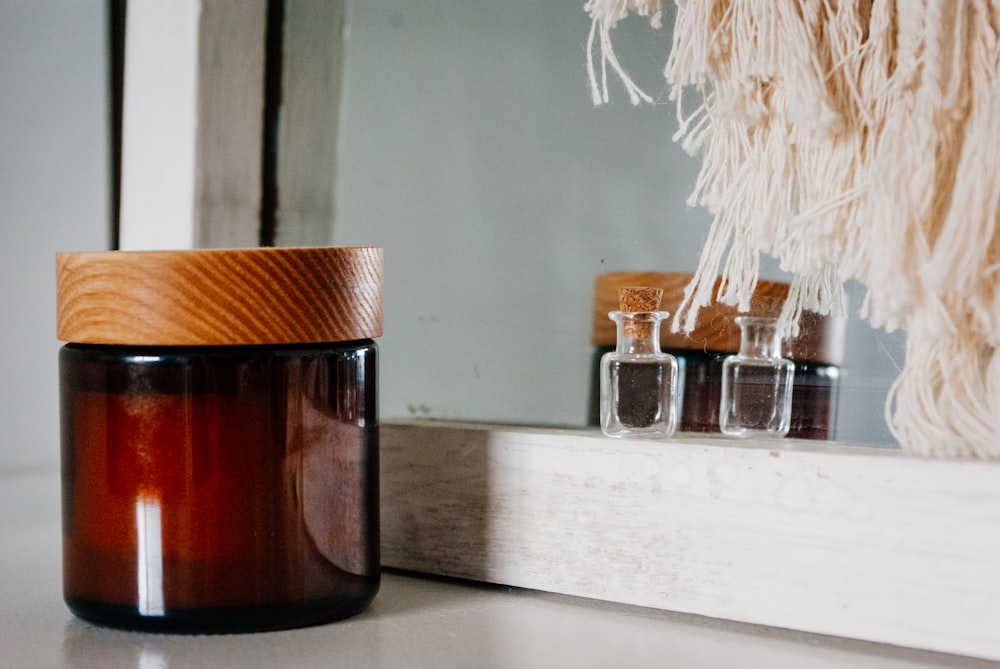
point(219, 488)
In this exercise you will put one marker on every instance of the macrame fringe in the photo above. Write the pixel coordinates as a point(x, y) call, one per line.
point(605, 15)
point(851, 140)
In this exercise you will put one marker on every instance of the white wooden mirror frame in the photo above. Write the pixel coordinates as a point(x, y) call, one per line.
point(825, 538)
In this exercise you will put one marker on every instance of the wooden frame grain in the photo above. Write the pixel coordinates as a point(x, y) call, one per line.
point(857, 542)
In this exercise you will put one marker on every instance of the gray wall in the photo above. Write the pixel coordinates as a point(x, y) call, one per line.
point(53, 197)
point(471, 151)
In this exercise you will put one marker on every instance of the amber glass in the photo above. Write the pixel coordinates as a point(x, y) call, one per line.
point(219, 489)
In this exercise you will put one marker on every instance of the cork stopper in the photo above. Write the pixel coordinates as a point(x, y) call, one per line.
point(638, 299)
point(633, 299)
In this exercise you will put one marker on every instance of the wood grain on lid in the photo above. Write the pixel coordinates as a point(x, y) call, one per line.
point(821, 338)
point(219, 297)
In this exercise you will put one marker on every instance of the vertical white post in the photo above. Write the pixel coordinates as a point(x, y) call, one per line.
point(193, 123)
point(192, 126)
point(158, 124)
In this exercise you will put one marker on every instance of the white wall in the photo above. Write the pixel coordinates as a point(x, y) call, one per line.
point(53, 197)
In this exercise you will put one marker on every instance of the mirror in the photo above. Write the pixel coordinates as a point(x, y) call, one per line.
point(470, 149)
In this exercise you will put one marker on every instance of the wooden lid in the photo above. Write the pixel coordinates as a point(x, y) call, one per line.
point(219, 297)
point(821, 338)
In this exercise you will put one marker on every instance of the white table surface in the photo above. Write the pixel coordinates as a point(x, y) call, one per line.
point(414, 622)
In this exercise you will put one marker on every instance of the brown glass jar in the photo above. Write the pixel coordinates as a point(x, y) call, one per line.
point(219, 436)
point(817, 353)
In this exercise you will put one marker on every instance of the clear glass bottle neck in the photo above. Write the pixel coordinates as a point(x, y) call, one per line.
point(759, 337)
point(638, 332)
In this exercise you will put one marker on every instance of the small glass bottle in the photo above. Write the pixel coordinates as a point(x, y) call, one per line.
point(757, 383)
point(638, 381)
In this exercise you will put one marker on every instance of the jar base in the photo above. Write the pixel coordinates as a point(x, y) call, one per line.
point(227, 619)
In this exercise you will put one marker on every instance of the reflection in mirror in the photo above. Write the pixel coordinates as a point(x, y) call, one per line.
point(469, 149)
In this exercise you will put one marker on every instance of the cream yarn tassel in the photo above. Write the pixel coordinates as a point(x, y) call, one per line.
point(853, 140)
point(605, 15)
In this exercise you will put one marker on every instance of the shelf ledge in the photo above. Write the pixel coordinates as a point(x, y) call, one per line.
point(856, 542)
